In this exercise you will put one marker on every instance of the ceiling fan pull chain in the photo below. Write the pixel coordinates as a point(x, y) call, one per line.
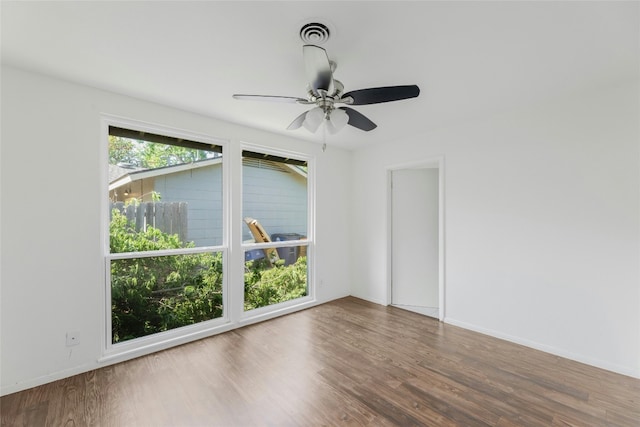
point(324, 138)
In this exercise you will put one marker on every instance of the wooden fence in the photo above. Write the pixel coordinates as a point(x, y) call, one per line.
point(169, 217)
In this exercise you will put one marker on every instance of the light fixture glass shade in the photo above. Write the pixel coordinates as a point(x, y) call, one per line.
point(313, 119)
point(337, 121)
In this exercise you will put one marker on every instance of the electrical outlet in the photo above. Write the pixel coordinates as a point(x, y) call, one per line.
point(73, 338)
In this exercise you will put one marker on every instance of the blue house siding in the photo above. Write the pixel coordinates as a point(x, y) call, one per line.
point(276, 197)
point(273, 194)
point(201, 188)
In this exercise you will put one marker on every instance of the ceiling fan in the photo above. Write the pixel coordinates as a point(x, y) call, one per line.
point(325, 92)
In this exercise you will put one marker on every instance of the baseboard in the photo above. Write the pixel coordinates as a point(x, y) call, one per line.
point(623, 370)
point(373, 300)
point(44, 379)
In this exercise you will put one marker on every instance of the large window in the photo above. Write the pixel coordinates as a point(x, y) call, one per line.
point(173, 274)
point(276, 241)
point(166, 233)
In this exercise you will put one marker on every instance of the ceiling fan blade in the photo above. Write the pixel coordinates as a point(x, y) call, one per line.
point(377, 95)
point(318, 68)
point(297, 123)
point(358, 120)
point(287, 99)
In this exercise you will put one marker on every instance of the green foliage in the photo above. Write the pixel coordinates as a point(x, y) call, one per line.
point(264, 286)
point(124, 238)
point(150, 155)
point(155, 294)
point(158, 293)
point(121, 150)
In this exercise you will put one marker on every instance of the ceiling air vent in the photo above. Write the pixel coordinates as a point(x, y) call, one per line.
point(314, 33)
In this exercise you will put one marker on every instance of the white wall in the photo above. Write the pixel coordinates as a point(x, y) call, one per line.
point(52, 274)
point(542, 225)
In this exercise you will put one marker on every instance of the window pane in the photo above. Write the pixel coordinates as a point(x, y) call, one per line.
point(274, 209)
point(156, 294)
point(174, 190)
point(266, 283)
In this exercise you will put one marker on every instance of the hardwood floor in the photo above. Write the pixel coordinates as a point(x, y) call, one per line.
point(348, 362)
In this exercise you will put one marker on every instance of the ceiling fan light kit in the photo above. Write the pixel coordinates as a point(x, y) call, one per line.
point(337, 121)
point(313, 119)
point(325, 92)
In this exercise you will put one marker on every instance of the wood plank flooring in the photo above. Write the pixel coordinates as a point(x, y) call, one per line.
point(348, 362)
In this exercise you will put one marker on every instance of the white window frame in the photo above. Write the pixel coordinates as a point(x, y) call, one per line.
point(284, 307)
point(159, 341)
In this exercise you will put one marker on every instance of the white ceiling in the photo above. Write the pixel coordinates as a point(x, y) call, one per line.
point(470, 59)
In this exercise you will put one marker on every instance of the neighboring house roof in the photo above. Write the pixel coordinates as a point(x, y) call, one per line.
point(274, 165)
point(117, 171)
point(119, 176)
point(136, 175)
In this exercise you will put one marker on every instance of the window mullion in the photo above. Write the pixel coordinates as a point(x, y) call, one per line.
point(235, 271)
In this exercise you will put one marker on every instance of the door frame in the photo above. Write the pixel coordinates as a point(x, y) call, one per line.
point(427, 163)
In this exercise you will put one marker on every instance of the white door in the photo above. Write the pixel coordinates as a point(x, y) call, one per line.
point(414, 240)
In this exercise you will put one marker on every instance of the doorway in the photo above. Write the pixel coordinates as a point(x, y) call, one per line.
point(415, 230)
